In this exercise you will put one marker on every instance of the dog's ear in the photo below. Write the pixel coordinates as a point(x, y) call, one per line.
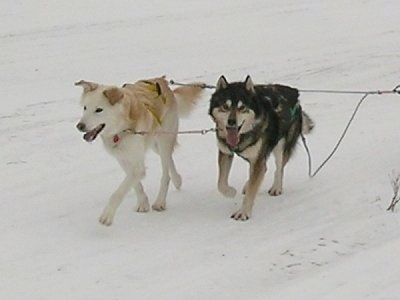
point(127, 85)
point(87, 85)
point(113, 95)
point(249, 84)
point(222, 83)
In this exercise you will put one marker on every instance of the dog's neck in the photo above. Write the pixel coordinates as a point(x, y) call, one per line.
point(115, 139)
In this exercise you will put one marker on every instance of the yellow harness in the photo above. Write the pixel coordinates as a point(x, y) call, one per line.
point(153, 113)
point(155, 88)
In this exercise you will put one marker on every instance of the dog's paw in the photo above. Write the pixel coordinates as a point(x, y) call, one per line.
point(227, 191)
point(241, 215)
point(275, 191)
point(159, 206)
point(177, 181)
point(107, 216)
point(143, 207)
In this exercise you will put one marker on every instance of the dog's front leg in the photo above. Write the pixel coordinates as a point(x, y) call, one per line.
point(131, 179)
point(116, 198)
point(225, 164)
point(142, 200)
point(257, 171)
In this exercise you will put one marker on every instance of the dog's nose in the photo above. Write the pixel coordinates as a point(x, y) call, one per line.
point(81, 126)
point(231, 122)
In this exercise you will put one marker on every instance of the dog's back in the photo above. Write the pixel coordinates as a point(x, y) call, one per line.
point(158, 98)
point(286, 111)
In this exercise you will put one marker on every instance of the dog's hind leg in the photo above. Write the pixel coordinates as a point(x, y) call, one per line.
point(257, 172)
point(280, 161)
point(175, 177)
point(225, 164)
point(165, 147)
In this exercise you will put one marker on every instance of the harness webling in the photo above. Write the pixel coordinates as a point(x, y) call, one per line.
point(151, 89)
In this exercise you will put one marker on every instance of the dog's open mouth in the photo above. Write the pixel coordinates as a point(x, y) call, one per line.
point(91, 135)
point(233, 135)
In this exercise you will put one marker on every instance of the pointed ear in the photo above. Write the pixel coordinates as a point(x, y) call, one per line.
point(113, 95)
point(87, 85)
point(127, 85)
point(249, 84)
point(222, 83)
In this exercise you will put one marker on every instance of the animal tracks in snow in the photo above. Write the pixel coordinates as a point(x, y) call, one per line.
point(35, 116)
point(317, 253)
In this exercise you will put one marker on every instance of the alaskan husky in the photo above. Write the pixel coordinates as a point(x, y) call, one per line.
point(131, 119)
point(252, 121)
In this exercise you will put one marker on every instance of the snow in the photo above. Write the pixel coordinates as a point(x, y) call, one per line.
point(329, 237)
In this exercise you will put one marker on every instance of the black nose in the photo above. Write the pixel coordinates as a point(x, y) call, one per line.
point(231, 122)
point(81, 126)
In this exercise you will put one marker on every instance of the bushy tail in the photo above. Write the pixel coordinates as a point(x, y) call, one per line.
point(187, 97)
point(308, 124)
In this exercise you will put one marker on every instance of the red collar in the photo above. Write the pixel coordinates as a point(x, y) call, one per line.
point(118, 136)
point(116, 139)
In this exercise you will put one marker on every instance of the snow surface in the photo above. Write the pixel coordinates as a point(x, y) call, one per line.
point(329, 237)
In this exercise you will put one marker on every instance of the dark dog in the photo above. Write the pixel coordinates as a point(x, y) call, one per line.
point(253, 121)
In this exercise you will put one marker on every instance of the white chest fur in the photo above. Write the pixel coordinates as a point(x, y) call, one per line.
point(251, 153)
point(129, 151)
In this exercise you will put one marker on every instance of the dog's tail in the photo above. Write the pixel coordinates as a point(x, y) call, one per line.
point(308, 124)
point(187, 97)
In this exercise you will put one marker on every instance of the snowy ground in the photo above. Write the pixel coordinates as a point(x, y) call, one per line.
point(325, 238)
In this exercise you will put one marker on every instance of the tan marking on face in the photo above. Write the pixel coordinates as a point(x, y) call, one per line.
point(221, 119)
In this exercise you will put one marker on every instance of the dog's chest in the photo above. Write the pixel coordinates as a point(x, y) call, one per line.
point(249, 153)
point(126, 149)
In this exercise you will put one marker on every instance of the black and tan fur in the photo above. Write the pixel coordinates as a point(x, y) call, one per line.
point(252, 121)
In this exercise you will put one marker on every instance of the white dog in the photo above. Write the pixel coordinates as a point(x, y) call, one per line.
point(131, 119)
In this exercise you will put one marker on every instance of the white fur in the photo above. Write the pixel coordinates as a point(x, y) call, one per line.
point(252, 152)
point(246, 120)
point(131, 149)
point(276, 188)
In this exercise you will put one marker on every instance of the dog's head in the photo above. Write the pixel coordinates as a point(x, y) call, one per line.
point(102, 108)
point(233, 108)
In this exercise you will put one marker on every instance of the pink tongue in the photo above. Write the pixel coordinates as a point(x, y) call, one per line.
point(232, 137)
point(90, 135)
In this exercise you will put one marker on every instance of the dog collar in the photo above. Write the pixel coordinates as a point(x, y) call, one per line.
point(116, 139)
point(118, 136)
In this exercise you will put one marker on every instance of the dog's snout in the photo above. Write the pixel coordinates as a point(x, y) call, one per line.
point(231, 122)
point(81, 126)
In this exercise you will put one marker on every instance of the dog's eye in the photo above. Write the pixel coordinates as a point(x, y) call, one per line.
point(225, 107)
point(243, 109)
point(98, 110)
point(84, 108)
